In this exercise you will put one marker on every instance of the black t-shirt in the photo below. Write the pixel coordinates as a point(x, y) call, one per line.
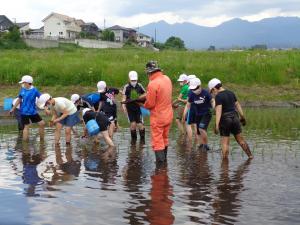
point(100, 117)
point(133, 93)
point(227, 99)
point(107, 98)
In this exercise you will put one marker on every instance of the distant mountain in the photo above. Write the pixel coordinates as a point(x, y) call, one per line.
point(277, 32)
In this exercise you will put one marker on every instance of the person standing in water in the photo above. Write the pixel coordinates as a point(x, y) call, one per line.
point(27, 101)
point(202, 102)
point(180, 102)
point(132, 91)
point(229, 117)
point(159, 102)
point(64, 113)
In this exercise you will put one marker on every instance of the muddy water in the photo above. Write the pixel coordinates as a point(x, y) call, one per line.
point(87, 184)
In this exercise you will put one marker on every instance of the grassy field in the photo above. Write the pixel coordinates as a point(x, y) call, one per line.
point(257, 75)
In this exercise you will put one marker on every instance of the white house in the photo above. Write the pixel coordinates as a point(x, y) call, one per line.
point(61, 26)
point(122, 34)
point(23, 28)
point(143, 40)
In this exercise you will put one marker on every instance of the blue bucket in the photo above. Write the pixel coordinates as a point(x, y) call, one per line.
point(92, 127)
point(7, 104)
point(144, 112)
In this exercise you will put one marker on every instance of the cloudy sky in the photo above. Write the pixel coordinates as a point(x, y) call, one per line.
point(136, 13)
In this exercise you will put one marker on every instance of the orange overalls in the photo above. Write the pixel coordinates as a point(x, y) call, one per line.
point(159, 102)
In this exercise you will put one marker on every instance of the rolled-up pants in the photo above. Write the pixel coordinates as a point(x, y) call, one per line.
point(159, 136)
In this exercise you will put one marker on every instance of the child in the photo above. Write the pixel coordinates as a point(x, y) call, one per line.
point(90, 100)
point(202, 102)
point(181, 101)
point(64, 114)
point(108, 104)
point(27, 101)
point(132, 91)
point(102, 121)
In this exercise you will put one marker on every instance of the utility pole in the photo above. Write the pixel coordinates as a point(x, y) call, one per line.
point(155, 35)
point(104, 24)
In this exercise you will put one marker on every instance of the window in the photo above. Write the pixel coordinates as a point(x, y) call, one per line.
point(58, 23)
point(61, 33)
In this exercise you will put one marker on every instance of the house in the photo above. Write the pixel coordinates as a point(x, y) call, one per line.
point(23, 28)
point(5, 23)
point(61, 26)
point(143, 40)
point(37, 33)
point(122, 34)
point(91, 29)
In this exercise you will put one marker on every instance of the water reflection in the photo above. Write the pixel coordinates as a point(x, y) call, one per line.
point(227, 203)
point(159, 208)
point(133, 175)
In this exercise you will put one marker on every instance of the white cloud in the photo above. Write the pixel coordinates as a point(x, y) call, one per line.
point(206, 13)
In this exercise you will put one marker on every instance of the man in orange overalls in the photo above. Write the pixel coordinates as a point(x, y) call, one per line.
point(159, 102)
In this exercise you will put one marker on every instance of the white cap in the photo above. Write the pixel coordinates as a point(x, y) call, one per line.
point(213, 83)
point(190, 77)
point(133, 75)
point(42, 100)
point(26, 79)
point(183, 77)
point(75, 97)
point(194, 83)
point(85, 110)
point(101, 85)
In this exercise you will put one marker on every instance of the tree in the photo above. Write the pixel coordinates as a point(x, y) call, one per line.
point(174, 43)
point(211, 48)
point(108, 35)
point(13, 34)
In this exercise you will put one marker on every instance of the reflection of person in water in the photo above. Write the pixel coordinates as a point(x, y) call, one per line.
point(30, 173)
point(160, 206)
point(91, 159)
point(133, 174)
point(227, 203)
point(109, 166)
point(64, 170)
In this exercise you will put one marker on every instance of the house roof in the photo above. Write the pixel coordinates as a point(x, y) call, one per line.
point(117, 27)
point(80, 22)
point(144, 35)
point(62, 17)
point(20, 25)
point(40, 30)
point(3, 18)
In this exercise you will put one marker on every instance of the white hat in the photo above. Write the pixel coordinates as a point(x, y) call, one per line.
point(190, 77)
point(75, 97)
point(101, 85)
point(194, 83)
point(133, 75)
point(26, 79)
point(42, 100)
point(183, 77)
point(213, 83)
point(85, 110)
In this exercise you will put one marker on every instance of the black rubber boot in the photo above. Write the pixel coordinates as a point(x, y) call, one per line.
point(160, 156)
point(142, 135)
point(166, 152)
point(133, 136)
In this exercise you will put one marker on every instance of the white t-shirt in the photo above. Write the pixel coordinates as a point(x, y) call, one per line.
point(62, 104)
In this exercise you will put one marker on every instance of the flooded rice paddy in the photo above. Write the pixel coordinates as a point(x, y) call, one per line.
point(88, 184)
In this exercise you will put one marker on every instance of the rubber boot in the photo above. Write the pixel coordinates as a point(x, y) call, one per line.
point(166, 152)
point(142, 136)
point(133, 136)
point(160, 156)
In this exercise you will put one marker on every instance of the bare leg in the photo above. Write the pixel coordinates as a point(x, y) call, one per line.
point(203, 137)
point(241, 141)
point(111, 129)
point(42, 129)
point(57, 133)
point(26, 133)
point(180, 126)
point(133, 126)
point(68, 134)
point(225, 146)
point(107, 138)
point(189, 133)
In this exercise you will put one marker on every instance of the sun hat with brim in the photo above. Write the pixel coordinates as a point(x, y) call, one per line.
point(213, 83)
point(194, 83)
point(101, 85)
point(41, 102)
point(182, 77)
point(26, 79)
point(190, 77)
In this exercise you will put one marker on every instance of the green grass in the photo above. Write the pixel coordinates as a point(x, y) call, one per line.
point(69, 65)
